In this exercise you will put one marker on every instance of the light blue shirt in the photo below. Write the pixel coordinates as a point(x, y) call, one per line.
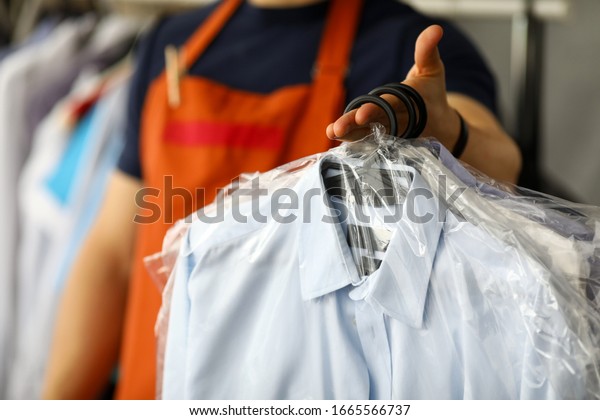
point(277, 310)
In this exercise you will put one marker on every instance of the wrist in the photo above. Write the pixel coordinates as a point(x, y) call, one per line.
point(447, 127)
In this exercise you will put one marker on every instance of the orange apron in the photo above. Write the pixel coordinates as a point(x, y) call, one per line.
point(213, 135)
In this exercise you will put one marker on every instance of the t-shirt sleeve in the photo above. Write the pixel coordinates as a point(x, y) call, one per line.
point(129, 161)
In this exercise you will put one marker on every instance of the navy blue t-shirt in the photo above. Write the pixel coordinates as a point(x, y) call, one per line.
point(261, 50)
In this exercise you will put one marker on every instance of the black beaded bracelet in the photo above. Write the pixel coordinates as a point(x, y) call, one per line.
point(463, 138)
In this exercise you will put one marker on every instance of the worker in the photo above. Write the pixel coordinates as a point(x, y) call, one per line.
point(257, 83)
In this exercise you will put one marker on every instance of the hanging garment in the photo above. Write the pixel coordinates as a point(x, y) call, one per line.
point(272, 298)
point(32, 80)
point(42, 31)
point(213, 135)
point(21, 76)
point(61, 188)
point(109, 42)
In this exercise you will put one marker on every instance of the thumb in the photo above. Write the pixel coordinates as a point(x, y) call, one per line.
point(427, 56)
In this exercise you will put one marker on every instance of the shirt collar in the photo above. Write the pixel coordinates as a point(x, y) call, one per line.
point(399, 287)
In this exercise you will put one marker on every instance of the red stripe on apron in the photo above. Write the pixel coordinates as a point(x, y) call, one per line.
point(203, 133)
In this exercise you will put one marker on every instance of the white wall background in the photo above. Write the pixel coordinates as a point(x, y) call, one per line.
point(571, 153)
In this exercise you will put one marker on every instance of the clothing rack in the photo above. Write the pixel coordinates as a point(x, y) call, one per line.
point(526, 75)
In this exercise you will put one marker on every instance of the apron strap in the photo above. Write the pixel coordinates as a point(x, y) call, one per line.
point(204, 36)
point(338, 39)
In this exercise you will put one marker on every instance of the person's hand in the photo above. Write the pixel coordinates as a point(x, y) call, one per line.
point(427, 76)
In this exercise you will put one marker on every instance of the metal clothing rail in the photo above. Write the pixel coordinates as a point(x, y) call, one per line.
point(526, 76)
point(545, 9)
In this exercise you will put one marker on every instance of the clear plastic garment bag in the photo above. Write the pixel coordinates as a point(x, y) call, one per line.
point(381, 269)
